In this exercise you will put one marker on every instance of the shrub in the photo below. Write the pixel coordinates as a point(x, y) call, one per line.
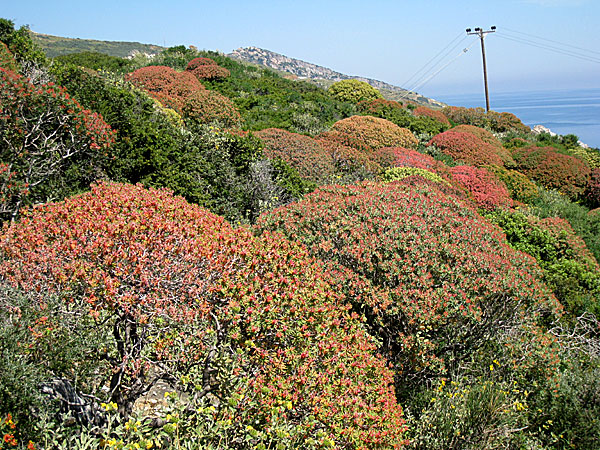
point(498, 122)
point(379, 107)
point(569, 267)
point(368, 133)
point(353, 91)
point(488, 138)
point(210, 107)
point(95, 61)
point(246, 326)
point(169, 87)
point(489, 193)
point(303, 153)
point(52, 146)
point(350, 164)
point(7, 61)
point(553, 170)
point(521, 188)
point(198, 62)
point(433, 113)
point(592, 191)
point(405, 157)
point(434, 280)
point(400, 173)
point(467, 148)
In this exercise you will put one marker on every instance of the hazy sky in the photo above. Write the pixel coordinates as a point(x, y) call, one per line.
point(387, 40)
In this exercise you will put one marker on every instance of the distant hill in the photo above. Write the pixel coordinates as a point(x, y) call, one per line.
point(322, 75)
point(56, 46)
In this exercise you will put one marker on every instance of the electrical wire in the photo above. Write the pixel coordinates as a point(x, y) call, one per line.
point(435, 57)
point(550, 48)
point(550, 40)
point(462, 52)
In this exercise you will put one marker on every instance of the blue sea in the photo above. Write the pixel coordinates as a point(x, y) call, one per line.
point(562, 111)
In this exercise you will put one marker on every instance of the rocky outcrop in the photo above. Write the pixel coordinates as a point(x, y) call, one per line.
point(314, 72)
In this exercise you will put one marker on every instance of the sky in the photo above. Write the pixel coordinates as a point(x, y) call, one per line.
point(389, 40)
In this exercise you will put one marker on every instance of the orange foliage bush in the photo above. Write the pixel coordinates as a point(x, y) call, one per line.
point(369, 133)
point(210, 106)
point(489, 138)
point(433, 113)
point(466, 148)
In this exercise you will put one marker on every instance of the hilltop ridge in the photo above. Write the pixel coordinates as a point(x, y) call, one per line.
point(322, 75)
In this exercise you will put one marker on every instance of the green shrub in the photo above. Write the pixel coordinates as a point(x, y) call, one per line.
point(95, 61)
point(353, 91)
point(399, 173)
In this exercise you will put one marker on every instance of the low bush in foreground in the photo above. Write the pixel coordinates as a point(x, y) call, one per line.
point(157, 289)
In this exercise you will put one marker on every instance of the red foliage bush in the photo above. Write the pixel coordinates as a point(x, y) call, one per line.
point(377, 106)
point(197, 62)
point(489, 193)
point(593, 188)
point(350, 164)
point(489, 138)
point(466, 148)
point(498, 122)
point(7, 60)
point(406, 157)
point(568, 174)
point(368, 133)
point(177, 285)
point(433, 113)
point(166, 85)
point(206, 69)
point(303, 153)
point(431, 276)
point(42, 129)
point(210, 106)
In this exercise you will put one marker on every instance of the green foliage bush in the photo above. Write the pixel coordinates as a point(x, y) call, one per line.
point(20, 44)
point(96, 61)
point(570, 269)
point(521, 188)
point(399, 173)
point(353, 91)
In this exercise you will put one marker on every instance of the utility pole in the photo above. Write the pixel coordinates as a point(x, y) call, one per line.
point(481, 33)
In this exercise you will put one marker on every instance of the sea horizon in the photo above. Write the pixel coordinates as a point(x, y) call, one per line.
point(563, 111)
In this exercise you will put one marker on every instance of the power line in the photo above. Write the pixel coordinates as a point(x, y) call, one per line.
point(435, 57)
point(462, 52)
point(550, 48)
point(550, 40)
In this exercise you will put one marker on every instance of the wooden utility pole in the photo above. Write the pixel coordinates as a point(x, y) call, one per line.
point(479, 32)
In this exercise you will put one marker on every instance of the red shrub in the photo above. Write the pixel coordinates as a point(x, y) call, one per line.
point(350, 164)
point(405, 157)
point(177, 285)
point(489, 193)
point(368, 133)
point(489, 138)
point(198, 62)
point(498, 122)
point(210, 72)
point(210, 106)
point(433, 113)
point(430, 274)
point(42, 129)
point(377, 106)
point(7, 61)
point(554, 170)
point(593, 188)
point(466, 148)
point(303, 153)
point(166, 85)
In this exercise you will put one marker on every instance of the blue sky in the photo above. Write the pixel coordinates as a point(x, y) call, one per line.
point(386, 40)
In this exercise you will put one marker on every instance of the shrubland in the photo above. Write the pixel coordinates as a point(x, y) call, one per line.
point(371, 274)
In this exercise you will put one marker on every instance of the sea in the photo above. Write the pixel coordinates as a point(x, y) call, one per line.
point(573, 111)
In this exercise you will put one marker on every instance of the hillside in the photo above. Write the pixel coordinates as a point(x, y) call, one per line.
point(324, 76)
point(200, 253)
point(56, 45)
